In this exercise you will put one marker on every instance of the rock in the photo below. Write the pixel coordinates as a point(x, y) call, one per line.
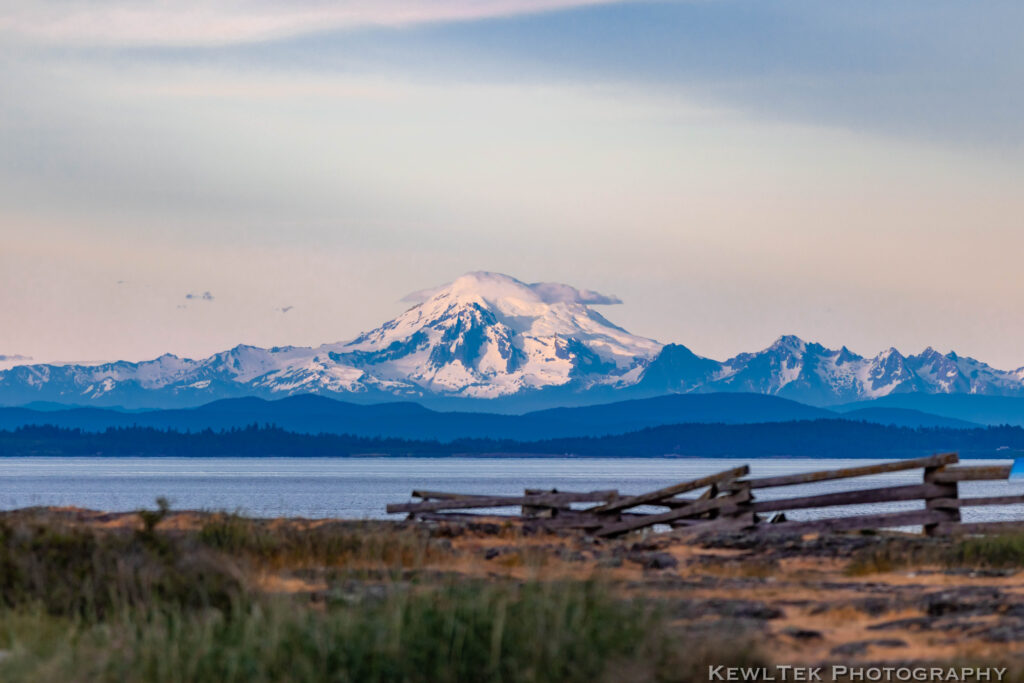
point(1005, 633)
point(653, 560)
point(647, 545)
point(660, 561)
point(802, 633)
point(861, 646)
point(447, 531)
point(982, 573)
point(874, 606)
point(609, 562)
point(912, 624)
point(724, 607)
point(964, 600)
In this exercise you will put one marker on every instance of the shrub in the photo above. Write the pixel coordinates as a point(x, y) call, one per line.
point(1003, 551)
point(87, 573)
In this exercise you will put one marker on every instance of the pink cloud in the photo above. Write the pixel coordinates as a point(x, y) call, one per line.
point(215, 22)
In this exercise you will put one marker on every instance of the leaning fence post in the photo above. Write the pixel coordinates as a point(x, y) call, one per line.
point(949, 490)
point(710, 493)
point(744, 511)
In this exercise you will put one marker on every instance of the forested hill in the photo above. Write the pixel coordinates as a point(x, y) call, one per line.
point(816, 438)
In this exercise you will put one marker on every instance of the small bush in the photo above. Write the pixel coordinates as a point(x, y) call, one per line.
point(85, 573)
point(323, 543)
point(1004, 551)
point(892, 554)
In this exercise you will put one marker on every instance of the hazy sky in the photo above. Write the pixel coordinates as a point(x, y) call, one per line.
point(185, 176)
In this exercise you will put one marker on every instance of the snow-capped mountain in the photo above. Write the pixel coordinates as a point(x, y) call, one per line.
point(485, 335)
point(794, 368)
point(498, 341)
point(813, 374)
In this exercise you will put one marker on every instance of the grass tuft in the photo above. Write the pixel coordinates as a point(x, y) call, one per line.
point(166, 604)
point(1003, 551)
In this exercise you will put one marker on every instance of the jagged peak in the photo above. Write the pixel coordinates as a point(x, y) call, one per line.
point(679, 350)
point(889, 353)
point(789, 342)
point(845, 355)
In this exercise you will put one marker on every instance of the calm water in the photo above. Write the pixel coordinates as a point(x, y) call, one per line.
point(361, 487)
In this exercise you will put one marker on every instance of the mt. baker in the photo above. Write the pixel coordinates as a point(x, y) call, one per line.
point(494, 341)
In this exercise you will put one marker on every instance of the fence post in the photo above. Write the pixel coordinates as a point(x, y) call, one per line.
point(708, 495)
point(949, 490)
point(743, 510)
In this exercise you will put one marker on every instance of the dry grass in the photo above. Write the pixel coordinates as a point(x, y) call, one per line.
point(81, 603)
point(1002, 551)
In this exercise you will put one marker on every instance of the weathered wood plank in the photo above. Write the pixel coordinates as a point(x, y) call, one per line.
point(879, 521)
point(724, 504)
point(962, 528)
point(554, 499)
point(541, 510)
point(866, 470)
point(572, 518)
point(447, 495)
point(464, 517)
point(975, 502)
point(951, 475)
point(863, 497)
point(444, 495)
point(669, 491)
point(744, 520)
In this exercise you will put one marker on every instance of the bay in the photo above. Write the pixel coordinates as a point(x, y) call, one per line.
point(357, 488)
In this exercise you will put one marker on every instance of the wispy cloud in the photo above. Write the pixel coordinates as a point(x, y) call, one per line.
point(554, 292)
point(12, 360)
point(548, 292)
point(221, 22)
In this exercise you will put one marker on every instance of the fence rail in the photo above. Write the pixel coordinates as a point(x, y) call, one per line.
point(728, 500)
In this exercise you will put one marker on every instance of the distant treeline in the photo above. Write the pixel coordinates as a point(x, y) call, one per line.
point(817, 438)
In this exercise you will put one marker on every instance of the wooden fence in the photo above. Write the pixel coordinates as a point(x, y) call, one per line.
point(727, 500)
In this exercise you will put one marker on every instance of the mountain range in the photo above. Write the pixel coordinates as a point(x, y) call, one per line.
point(308, 414)
point(489, 342)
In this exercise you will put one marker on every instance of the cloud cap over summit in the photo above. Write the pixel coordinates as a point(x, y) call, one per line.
point(504, 285)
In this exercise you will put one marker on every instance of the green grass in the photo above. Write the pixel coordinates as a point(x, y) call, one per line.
point(1004, 551)
point(325, 544)
point(69, 571)
point(533, 633)
point(81, 604)
point(1001, 551)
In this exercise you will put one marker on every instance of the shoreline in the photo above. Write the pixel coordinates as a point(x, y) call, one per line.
point(500, 456)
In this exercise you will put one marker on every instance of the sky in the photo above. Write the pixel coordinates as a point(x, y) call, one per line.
point(184, 177)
